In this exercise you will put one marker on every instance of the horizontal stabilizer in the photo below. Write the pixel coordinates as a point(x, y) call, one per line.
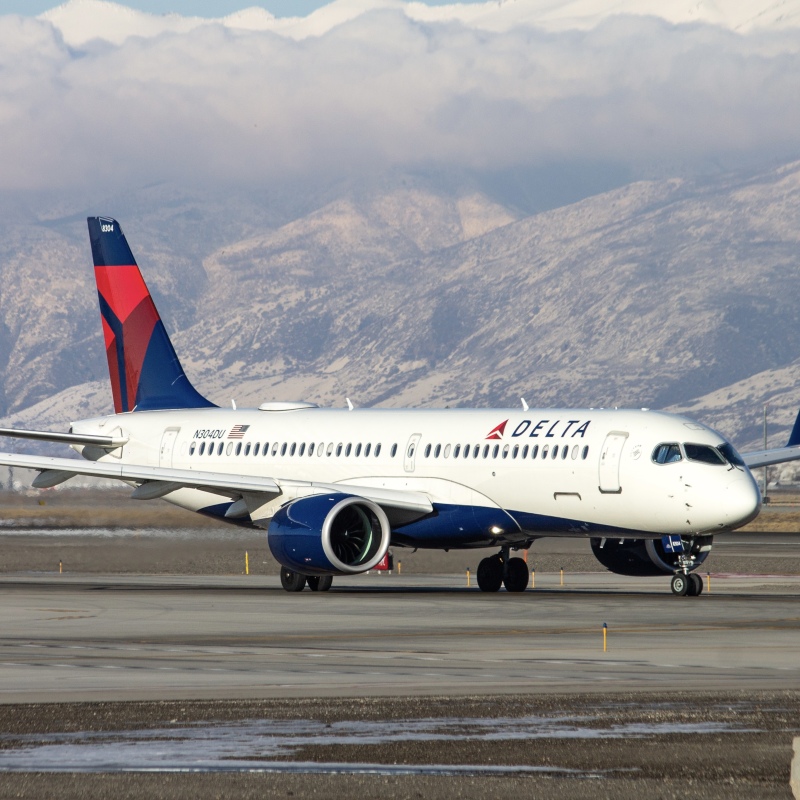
point(66, 438)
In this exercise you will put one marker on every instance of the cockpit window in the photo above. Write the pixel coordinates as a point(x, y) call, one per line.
point(729, 452)
point(704, 453)
point(667, 453)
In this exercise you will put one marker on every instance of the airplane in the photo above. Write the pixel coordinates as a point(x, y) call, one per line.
point(335, 488)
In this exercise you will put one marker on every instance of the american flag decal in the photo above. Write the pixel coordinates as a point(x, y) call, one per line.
point(238, 431)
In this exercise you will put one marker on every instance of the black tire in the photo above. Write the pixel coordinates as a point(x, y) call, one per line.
point(516, 576)
point(490, 574)
point(680, 584)
point(319, 583)
point(292, 581)
point(695, 585)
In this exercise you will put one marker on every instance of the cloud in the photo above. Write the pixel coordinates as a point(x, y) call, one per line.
point(381, 91)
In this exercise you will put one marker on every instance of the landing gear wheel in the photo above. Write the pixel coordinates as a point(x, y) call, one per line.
point(680, 584)
point(292, 581)
point(516, 575)
point(490, 574)
point(695, 585)
point(319, 583)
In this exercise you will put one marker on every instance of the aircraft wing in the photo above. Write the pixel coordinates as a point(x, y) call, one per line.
point(159, 481)
point(766, 458)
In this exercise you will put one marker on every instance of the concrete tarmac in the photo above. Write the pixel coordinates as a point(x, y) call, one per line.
point(81, 638)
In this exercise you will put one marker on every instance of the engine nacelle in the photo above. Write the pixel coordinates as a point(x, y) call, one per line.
point(645, 556)
point(329, 534)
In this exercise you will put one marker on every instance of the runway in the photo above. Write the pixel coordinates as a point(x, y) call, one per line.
point(80, 638)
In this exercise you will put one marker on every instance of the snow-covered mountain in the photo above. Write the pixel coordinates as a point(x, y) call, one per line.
point(675, 293)
point(80, 21)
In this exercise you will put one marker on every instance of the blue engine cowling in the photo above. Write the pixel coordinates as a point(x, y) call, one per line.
point(329, 534)
point(645, 556)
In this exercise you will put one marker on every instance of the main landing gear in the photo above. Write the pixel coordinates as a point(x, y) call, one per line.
point(296, 582)
point(499, 570)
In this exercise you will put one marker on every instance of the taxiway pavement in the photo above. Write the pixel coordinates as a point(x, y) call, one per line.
point(79, 638)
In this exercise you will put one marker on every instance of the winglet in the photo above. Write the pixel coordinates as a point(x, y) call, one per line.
point(794, 436)
point(145, 372)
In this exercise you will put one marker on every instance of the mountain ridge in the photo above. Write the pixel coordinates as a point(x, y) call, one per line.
point(675, 293)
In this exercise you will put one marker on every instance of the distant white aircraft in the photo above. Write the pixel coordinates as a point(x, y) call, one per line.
point(335, 488)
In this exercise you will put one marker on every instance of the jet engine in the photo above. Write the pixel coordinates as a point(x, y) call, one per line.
point(331, 534)
point(646, 556)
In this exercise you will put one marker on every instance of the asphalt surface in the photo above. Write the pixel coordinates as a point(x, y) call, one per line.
point(152, 666)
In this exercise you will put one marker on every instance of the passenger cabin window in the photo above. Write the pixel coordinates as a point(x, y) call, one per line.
point(192, 448)
point(456, 451)
point(704, 453)
point(358, 449)
point(427, 450)
point(255, 449)
point(585, 452)
point(311, 449)
point(367, 448)
point(667, 454)
point(437, 451)
point(219, 449)
point(247, 449)
point(378, 449)
point(202, 447)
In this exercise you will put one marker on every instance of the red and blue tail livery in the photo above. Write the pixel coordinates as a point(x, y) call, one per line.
point(145, 372)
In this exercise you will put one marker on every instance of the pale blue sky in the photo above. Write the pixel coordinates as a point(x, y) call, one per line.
point(201, 8)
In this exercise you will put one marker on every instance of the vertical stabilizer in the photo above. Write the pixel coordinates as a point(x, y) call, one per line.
point(145, 372)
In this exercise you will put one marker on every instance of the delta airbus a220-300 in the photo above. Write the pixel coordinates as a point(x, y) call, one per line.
point(335, 488)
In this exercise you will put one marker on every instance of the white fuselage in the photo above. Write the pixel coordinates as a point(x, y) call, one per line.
point(560, 472)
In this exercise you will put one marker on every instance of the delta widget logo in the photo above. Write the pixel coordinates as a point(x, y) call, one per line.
point(498, 431)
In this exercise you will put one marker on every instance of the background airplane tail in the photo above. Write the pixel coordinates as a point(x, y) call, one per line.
point(145, 372)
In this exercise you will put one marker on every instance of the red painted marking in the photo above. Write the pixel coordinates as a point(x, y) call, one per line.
point(123, 288)
point(108, 334)
point(136, 332)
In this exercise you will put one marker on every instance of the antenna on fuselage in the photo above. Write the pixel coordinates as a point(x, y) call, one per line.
point(524, 404)
point(233, 404)
point(349, 404)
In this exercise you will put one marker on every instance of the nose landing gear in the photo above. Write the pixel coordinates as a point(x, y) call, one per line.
point(685, 583)
point(499, 570)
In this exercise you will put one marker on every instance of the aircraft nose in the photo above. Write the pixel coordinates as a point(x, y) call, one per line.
point(742, 501)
